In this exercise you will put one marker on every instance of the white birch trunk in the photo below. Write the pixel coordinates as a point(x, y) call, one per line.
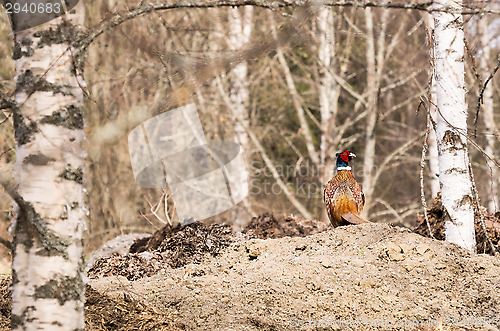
point(239, 37)
point(47, 267)
point(328, 88)
point(432, 142)
point(488, 115)
point(452, 125)
point(240, 30)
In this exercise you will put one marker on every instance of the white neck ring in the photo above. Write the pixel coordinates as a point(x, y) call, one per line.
point(344, 168)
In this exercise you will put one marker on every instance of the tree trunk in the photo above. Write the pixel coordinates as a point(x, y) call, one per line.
point(240, 30)
point(328, 89)
point(433, 150)
point(239, 37)
point(488, 115)
point(452, 126)
point(374, 66)
point(47, 267)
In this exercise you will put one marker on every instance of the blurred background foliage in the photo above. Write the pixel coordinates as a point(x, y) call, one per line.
point(171, 58)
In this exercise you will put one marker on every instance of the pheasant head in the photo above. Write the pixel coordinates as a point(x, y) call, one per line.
point(343, 160)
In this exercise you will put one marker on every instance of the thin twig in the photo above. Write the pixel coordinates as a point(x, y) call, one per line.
point(147, 219)
point(481, 95)
point(154, 208)
point(481, 216)
point(422, 166)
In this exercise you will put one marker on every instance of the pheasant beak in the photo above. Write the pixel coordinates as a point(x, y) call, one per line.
point(352, 154)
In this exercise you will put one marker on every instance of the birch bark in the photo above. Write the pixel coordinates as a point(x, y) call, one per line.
point(328, 88)
point(433, 150)
point(374, 66)
point(488, 115)
point(240, 30)
point(47, 267)
point(451, 127)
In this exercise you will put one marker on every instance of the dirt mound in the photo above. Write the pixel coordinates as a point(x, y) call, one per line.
point(118, 245)
point(267, 226)
point(186, 243)
point(181, 245)
point(130, 266)
point(436, 217)
point(365, 277)
point(170, 246)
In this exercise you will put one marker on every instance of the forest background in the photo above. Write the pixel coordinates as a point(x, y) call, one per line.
point(370, 66)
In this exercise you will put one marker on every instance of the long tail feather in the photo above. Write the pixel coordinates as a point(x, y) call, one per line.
point(354, 218)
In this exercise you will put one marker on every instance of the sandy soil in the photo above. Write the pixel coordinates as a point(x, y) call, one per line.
point(351, 278)
point(291, 274)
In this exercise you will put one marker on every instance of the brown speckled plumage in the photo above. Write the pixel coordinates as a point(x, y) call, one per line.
point(343, 194)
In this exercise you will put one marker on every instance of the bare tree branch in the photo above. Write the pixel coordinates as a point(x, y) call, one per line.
point(481, 94)
point(144, 9)
point(422, 165)
point(478, 210)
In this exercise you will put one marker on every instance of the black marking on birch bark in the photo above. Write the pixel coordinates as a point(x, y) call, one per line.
point(57, 323)
point(15, 279)
point(64, 215)
point(20, 320)
point(23, 132)
point(30, 83)
point(456, 171)
point(75, 175)
point(65, 32)
point(69, 117)
point(18, 52)
point(38, 159)
point(453, 139)
point(466, 200)
point(30, 225)
point(457, 23)
point(63, 289)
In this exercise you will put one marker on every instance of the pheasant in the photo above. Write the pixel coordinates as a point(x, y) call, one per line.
point(343, 196)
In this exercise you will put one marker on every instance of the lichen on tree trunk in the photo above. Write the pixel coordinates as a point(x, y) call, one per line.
point(47, 265)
